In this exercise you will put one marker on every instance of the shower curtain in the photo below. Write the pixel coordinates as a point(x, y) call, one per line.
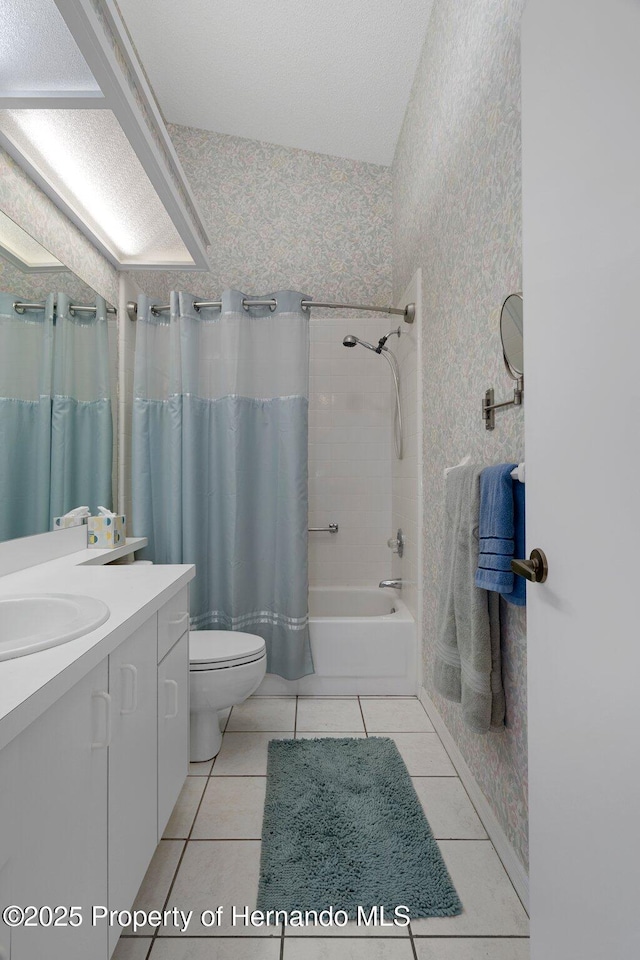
point(220, 462)
point(81, 422)
point(26, 357)
point(56, 430)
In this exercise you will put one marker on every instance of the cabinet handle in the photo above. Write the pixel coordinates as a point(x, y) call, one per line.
point(134, 688)
point(100, 744)
point(172, 684)
point(176, 621)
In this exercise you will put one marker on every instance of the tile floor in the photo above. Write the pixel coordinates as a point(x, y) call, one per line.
point(210, 853)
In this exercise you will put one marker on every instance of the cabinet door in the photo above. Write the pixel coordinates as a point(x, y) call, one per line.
point(61, 797)
point(173, 620)
point(9, 833)
point(133, 765)
point(173, 728)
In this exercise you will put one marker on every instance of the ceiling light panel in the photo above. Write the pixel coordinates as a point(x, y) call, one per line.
point(23, 248)
point(87, 160)
point(38, 54)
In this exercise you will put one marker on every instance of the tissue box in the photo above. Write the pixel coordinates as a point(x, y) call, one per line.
point(61, 523)
point(105, 532)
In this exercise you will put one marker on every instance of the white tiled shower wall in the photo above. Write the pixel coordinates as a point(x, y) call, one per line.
point(350, 411)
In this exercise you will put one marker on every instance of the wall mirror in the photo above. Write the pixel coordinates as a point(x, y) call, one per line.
point(511, 326)
point(58, 374)
point(511, 317)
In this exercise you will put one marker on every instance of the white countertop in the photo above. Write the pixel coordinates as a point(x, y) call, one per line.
point(32, 683)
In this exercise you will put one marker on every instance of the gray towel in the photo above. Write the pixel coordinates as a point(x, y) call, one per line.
point(467, 665)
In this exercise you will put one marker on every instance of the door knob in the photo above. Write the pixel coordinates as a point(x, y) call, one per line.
point(535, 568)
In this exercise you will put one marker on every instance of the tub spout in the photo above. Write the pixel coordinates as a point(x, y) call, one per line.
point(394, 584)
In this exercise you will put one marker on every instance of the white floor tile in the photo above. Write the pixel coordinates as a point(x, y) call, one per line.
point(380, 948)
point(181, 819)
point(478, 948)
point(263, 714)
point(395, 715)
point(157, 882)
point(200, 769)
point(491, 907)
point(448, 809)
point(328, 714)
point(319, 734)
point(222, 948)
point(218, 872)
point(351, 932)
point(232, 809)
point(132, 948)
point(422, 753)
point(245, 754)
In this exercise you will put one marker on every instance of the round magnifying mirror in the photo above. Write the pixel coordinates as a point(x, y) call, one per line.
point(511, 334)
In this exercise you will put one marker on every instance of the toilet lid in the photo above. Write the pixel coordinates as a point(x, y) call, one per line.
point(216, 646)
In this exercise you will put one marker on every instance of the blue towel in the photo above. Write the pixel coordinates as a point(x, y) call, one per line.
point(501, 531)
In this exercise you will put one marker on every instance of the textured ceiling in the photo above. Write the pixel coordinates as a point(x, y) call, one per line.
point(37, 51)
point(332, 77)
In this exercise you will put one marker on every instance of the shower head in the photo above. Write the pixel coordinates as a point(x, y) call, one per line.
point(351, 341)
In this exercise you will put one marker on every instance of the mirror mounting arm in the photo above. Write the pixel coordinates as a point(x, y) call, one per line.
point(489, 407)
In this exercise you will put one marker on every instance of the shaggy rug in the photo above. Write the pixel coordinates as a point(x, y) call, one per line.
point(343, 828)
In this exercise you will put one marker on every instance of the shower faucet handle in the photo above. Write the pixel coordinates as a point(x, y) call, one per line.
point(397, 543)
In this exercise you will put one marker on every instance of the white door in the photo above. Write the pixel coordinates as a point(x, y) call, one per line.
point(581, 217)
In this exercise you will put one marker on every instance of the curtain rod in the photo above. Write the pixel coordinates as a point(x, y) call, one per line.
point(408, 312)
point(20, 307)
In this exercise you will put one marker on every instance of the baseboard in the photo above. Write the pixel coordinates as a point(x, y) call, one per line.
point(517, 873)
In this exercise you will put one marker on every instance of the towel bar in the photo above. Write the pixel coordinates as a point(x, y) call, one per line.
point(332, 528)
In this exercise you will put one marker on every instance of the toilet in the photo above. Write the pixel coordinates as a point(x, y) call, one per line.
point(225, 667)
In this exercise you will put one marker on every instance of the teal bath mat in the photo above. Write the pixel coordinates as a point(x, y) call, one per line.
point(343, 828)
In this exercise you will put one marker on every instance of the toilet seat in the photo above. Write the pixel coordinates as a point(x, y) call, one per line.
point(223, 649)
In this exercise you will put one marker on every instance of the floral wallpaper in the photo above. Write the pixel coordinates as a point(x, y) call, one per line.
point(36, 286)
point(279, 218)
point(25, 203)
point(457, 199)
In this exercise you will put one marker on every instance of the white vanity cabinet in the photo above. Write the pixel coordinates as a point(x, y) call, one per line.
point(60, 800)
point(87, 788)
point(133, 765)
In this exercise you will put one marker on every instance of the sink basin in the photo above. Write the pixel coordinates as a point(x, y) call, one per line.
point(32, 623)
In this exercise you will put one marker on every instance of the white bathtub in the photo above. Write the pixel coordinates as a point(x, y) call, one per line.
point(363, 641)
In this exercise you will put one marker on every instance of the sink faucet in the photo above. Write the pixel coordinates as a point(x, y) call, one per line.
point(394, 584)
